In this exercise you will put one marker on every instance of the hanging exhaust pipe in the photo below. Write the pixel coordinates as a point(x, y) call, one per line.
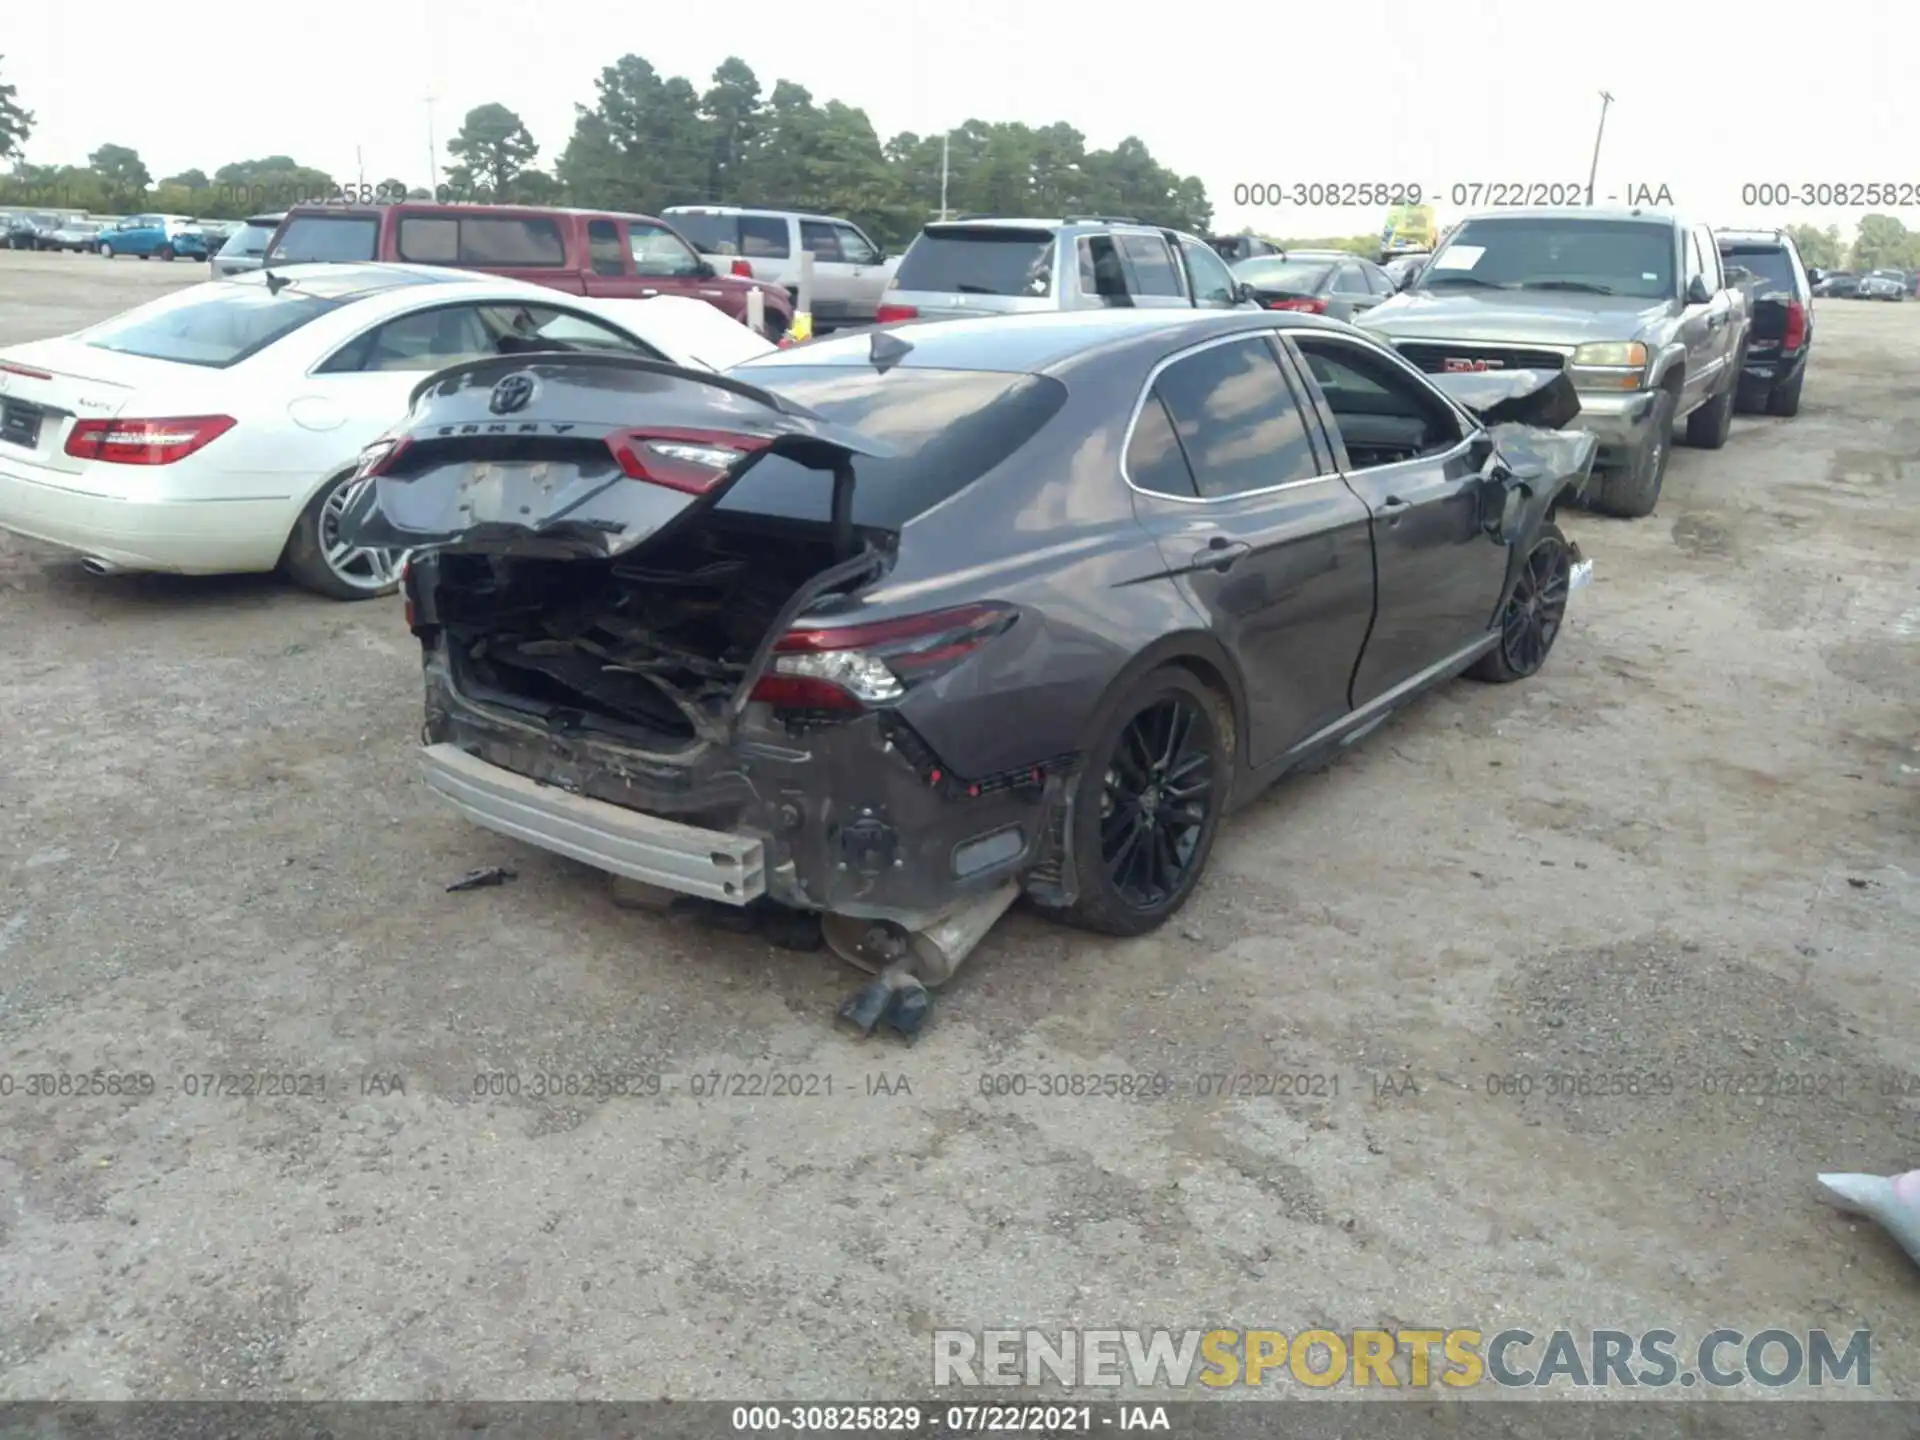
point(94, 565)
point(913, 960)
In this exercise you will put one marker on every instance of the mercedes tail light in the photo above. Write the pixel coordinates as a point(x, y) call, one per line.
point(1307, 304)
point(690, 461)
point(145, 442)
point(853, 667)
point(887, 314)
point(1796, 334)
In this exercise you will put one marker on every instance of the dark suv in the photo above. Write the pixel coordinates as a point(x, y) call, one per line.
point(1782, 334)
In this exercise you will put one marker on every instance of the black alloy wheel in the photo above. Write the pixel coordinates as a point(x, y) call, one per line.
point(1535, 610)
point(1156, 802)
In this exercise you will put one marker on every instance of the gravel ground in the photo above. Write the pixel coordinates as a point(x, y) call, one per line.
point(1685, 850)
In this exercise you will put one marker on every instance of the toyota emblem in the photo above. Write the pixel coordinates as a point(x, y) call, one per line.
point(514, 393)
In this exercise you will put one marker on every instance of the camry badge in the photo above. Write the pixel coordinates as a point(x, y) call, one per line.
point(512, 394)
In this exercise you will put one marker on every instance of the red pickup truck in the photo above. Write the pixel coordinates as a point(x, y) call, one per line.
point(585, 252)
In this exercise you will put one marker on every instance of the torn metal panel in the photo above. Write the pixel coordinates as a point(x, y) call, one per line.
point(1545, 398)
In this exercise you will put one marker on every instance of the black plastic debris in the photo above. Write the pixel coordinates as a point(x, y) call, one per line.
point(480, 879)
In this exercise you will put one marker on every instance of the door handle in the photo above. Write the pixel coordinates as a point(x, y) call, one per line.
point(1392, 508)
point(648, 294)
point(1220, 553)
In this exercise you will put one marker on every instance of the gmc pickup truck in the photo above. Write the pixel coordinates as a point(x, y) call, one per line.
point(1634, 305)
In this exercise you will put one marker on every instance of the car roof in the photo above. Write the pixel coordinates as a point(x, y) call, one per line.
point(1751, 237)
point(1035, 342)
point(330, 280)
point(1564, 212)
point(748, 210)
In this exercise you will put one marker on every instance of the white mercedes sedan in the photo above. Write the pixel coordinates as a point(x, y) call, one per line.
point(216, 430)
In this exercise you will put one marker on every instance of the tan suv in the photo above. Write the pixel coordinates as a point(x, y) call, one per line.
point(850, 271)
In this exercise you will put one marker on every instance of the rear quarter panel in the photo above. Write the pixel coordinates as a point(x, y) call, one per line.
point(1053, 532)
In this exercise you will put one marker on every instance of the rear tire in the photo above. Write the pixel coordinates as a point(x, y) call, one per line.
point(1535, 610)
point(165, 252)
point(1709, 426)
point(1632, 491)
point(1785, 399)
point(1147, 805)
point(352, 576)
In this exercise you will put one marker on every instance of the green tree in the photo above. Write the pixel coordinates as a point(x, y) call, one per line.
point(492, 149)
point(390, 189)
point(121, 173)
point(642, 146)
point(730, 110)
point(189, 180)
point(1884, 243)
point(1822, 248)
point(16, 124)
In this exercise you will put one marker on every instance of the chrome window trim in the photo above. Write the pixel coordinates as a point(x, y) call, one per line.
point(1161, 366)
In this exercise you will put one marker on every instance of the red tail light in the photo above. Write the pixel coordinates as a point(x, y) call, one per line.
point(1308, 305)
point(851, 667)
point(13, 369)
point(1796, 335)
point(887, 314)
point(690, 461)
point(742, 269)
point(145, 442)
point(379, 457)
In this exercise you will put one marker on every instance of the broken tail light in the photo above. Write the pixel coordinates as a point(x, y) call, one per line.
point(887, 314)
point(690, 461)
point(145, 442)
point(1307, 304)
point(380, 457)
point(852, 667)
point(1796, 334)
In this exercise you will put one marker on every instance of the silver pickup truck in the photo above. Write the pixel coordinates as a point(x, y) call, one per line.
point(1634, 305)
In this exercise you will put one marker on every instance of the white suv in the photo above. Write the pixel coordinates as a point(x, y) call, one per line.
point(850, 272)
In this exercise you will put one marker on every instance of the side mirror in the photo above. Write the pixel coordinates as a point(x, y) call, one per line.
point(704, 270)
point(1697, 292)
point(1816, 276)
point(1243, 292)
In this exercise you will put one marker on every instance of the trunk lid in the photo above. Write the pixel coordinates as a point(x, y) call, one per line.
point(48, 385)
point(583, 456)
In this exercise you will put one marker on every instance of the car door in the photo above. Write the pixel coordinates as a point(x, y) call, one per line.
point(664, 264)
point(1209, 281)
point(1701, 323)
point(866, 271)
point(1409, 454)
point(1266, 541)
point(1725, 313)
point(1348, 293)
point(1155, 277)
point(832, 275)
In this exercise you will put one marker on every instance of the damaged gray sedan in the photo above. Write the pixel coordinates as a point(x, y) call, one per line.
point(890, 629)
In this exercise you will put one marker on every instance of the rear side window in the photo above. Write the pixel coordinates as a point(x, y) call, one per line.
point(1153, 265)
point(604, 251)
point(710, 234)
point(995, 260)
point(215, 330)
point(764, 237)
point(1154, 459)
point(951, 427)
point(1236, 419)
point(819, 239)
point(328, 237)
point(1769, 264)
point(495, 240)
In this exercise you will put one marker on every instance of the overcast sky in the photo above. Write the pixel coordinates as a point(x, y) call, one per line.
point(1707, 97)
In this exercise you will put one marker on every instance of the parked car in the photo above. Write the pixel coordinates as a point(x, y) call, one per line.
point(1782, 337)
point(995, 266)
point(73, 237)
point(246, 248)
point(1632, 304)
point(1241, 247)
point(1883, 285)
point(850, 271)
point(152, 237)
point(1318, 282)
point(30, 232)
point(583, 252)
point(1841, 284)
point(1402, 268)
point(986, 605)
point(213, 429)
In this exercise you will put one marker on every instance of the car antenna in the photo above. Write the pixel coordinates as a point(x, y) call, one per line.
point(276, 283)
point(887, 350)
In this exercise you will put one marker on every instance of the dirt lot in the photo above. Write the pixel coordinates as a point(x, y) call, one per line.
point(1686, 849)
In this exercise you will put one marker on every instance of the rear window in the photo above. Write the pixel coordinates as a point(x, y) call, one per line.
point(496, 240)
point(219, 328)
point(247, 240)
point(328, 237)
point(1301, 277)
point(1769, 263)
point(986, 261)
point(951, 426)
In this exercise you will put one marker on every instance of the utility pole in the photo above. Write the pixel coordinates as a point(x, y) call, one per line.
point(945, 143)
point(1606, 99)
point(360, 167)
point(433, 153)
